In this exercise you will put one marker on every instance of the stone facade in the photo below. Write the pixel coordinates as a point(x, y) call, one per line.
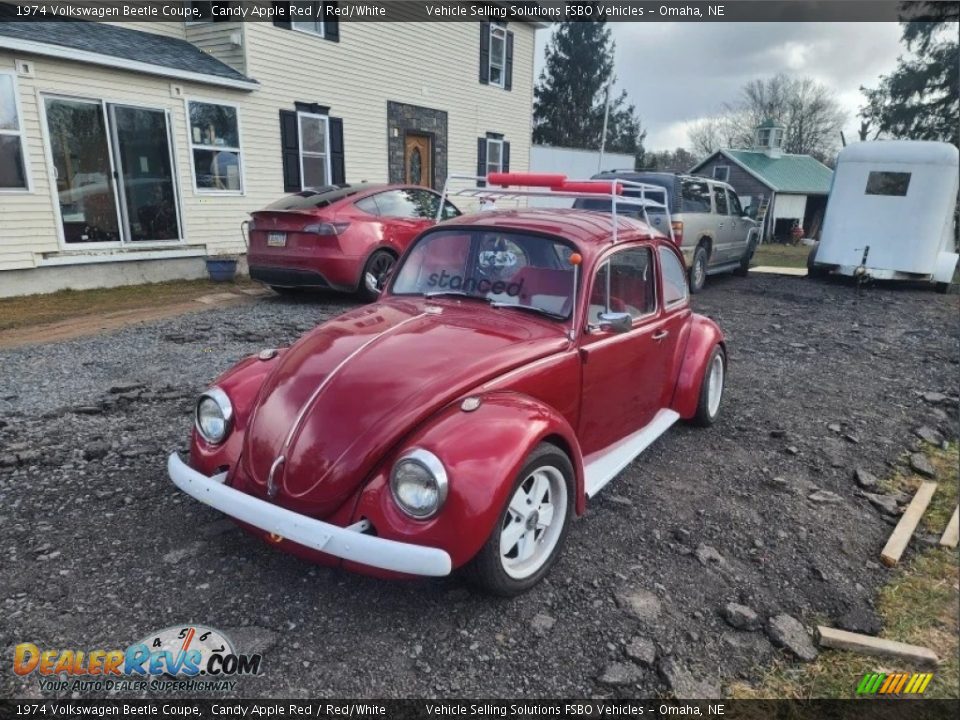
point(403, 119)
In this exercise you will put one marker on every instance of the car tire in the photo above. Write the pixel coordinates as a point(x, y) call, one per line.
point(744, 268)
point(814, 270)
point(379, 263)
point(506, 572)
point(698, 269)
point(711, 388)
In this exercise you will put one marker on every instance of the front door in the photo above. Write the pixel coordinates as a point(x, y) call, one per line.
point(417, 160)
point(622, 389)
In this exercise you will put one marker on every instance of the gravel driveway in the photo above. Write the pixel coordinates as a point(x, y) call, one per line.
point(99, 548)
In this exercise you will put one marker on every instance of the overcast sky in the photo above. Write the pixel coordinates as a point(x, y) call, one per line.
point(676, 73)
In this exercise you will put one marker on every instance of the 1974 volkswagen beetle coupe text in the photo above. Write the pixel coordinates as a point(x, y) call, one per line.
point(515, 363)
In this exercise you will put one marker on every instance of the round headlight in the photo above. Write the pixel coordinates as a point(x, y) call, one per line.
point(419, 483)
point(214, 414)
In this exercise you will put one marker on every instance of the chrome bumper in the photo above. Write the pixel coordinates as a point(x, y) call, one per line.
point(332, 539)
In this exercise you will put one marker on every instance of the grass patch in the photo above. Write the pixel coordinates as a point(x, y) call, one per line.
point(781, 255)
point(30, 310)
point(919, 605)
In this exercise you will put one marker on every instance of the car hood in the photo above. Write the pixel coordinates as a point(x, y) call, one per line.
point(348, 391)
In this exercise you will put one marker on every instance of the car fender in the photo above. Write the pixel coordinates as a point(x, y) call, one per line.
point(703, 336)
point(242, 385)
point(482, 452)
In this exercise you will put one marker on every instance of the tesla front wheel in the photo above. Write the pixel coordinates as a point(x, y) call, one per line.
point(375, 273)
point(528, 535)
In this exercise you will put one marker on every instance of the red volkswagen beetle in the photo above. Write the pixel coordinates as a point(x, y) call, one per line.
point(339, 237)
point(514, 364)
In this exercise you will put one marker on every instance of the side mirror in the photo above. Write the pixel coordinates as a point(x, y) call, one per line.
point(618, 322)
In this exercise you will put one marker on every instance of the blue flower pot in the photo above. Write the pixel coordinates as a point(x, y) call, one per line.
point(221, 269)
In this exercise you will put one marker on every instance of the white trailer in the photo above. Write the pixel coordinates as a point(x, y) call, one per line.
point(890, 215)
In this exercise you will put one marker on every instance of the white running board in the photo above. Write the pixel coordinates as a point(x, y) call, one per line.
point(604, 465)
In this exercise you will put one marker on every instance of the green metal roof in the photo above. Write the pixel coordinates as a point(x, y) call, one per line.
point(788, 173)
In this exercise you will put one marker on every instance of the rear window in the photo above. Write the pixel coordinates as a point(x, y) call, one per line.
point(888, 183)
point(316, 197)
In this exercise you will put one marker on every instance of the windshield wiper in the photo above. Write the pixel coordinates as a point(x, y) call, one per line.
point(531, 308)
point(455, 293)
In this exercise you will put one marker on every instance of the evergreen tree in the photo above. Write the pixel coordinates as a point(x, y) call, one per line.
point(919, 100)
point(569, 98)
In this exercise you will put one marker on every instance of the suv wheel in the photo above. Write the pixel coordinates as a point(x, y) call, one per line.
point(744, 269)
point(698, 269)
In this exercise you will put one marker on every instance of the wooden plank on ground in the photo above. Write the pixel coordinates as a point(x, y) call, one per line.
point(908, 523)
point(774, 270)
point(869, 645)
point(950, 535)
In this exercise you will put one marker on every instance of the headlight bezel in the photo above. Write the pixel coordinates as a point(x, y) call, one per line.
point(429, 462)
point(222, 400)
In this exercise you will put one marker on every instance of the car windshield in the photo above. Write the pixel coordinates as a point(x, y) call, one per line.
point(506, 269)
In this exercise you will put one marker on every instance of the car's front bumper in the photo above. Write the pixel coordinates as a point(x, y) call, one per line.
point(315, 534)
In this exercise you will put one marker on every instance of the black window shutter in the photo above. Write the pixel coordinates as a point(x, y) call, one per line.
point(508, 70)
point(338, 167)
point(481, 160)
point(505, 156)
point(485, 53)
point(331, 23)
point(281, 16)
point(290, 149)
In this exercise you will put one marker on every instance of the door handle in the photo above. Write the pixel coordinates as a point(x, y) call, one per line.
point(660, 335)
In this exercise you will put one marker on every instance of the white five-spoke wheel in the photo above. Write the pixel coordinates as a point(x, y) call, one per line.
point(533, 522)
point(530, 530)
point(711, 389)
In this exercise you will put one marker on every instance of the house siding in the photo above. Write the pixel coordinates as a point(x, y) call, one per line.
point(427, 65)
point(743, 182)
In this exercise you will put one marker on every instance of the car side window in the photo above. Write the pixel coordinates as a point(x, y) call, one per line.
point(430, 202)
point(735, 207)
point(720, 198)
point(368, 205)
point(409, 204)
point(674, 278)
point(695, 196)
point(624, 283)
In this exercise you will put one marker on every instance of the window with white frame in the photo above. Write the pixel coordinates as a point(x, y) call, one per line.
point(494, 155)
point(498, 54)
point(314, 150)
point(312, 12)
point(13, 164)
point(721, 173)
point(215, 147)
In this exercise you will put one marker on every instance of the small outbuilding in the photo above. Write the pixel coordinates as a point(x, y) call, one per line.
point(779, 189)
point(891, 214)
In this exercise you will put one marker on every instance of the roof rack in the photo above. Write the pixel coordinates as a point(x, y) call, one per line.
point(516, 185)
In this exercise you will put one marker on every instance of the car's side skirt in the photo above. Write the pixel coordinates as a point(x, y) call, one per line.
point(604, 465)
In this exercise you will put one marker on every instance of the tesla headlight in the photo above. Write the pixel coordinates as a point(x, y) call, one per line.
point(419, 483)
point(214, 415)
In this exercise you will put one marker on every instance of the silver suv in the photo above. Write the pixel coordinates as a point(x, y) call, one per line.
point(709, 223)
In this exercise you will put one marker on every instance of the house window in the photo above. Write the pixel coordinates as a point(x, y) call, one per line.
point(498, 55)
point(494, 155)
point(888, 183)
point(13, 166)
point(312, 12)
point(721, 173)
point(215, 147)
point(314, 156)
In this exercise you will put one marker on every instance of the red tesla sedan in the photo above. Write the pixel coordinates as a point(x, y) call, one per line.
point(339, 237)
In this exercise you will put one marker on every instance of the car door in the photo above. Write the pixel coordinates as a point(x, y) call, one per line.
point(675, 309)
point(621, 389)
point(722, 252)
point(740, 225)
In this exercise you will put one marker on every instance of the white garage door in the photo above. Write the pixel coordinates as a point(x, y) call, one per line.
point(790, 207)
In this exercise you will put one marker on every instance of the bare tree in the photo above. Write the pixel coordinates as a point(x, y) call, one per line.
point(809, 112)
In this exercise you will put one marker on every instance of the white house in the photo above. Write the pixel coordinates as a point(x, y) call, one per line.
point(129, 152)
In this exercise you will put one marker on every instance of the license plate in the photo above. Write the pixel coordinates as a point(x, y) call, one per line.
point(276, 239)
